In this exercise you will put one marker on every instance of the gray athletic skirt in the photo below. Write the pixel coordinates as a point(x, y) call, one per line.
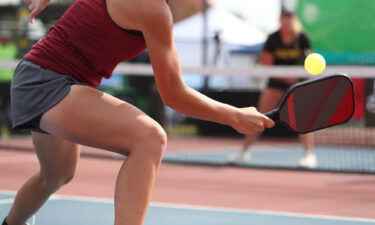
point(34, 90)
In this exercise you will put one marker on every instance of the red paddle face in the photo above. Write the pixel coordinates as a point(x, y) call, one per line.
point(318, 104)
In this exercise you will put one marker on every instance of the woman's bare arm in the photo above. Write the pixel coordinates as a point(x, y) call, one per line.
point(154, 19)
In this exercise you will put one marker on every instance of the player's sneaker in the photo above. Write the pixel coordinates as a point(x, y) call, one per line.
point(308, 161)
point(242, 157)
point(32, 221)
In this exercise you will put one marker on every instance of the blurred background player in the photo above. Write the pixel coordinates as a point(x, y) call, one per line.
point(287, 46)
point(8, 51)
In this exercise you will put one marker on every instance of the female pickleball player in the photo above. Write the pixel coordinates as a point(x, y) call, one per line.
point(287, 46)
point(53, 94)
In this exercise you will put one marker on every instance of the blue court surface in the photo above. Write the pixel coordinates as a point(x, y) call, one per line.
point(329, 158)
point(64, 210)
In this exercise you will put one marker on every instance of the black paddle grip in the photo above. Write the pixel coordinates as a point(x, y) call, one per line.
point(273, 115)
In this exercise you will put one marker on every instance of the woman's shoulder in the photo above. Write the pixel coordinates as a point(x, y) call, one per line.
point(303, 35)
point(275, 34)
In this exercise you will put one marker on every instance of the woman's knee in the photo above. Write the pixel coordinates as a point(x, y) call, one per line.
point(152, 142)
point(53, 181)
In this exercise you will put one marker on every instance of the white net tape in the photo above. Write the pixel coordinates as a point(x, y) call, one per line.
point(253, 71)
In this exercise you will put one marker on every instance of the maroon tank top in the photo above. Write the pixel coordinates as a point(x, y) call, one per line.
point(86, 44)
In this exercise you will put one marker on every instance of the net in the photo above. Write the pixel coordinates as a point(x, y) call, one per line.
point(349, 147)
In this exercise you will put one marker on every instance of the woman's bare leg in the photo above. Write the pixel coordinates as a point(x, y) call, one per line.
point(90, 117)
point(309, 160)
point(307, 142)
point(58, 159)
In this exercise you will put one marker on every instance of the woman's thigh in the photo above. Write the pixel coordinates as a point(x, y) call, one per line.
point(90, 117)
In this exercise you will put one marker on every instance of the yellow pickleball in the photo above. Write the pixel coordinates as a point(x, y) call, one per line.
point(315, 64)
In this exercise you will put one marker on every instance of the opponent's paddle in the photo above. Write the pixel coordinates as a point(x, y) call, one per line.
point(316, 104)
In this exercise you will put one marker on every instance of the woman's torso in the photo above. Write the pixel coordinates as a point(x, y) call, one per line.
point(292, 53)
point(86, 44)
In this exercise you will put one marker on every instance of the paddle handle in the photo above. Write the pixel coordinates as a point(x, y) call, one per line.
point(273, 115)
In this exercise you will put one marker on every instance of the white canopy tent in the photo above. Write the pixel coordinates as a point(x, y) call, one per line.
point(234, 34)
point(233, 31)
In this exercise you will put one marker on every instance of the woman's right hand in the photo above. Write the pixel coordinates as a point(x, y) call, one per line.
point(251, 121)
point(36, 7)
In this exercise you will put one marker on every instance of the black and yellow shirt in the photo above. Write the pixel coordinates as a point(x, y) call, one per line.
point(292, 54)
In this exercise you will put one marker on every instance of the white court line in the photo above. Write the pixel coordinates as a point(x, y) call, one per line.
point(10, 200)
point(208, 208)
point(260, 212)
point(18, 159)
point(213, 209)
point(6, 201)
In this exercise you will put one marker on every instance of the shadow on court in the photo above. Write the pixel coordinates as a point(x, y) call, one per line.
point(61, 210)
